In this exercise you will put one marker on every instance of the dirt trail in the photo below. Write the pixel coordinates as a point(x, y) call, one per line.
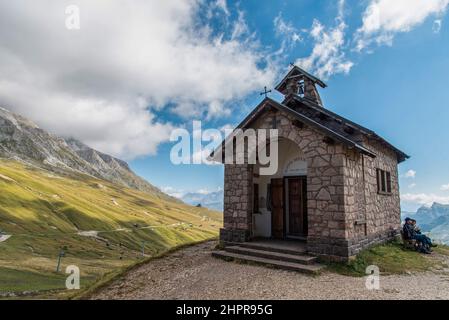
point(4, 237)
point(192, 273)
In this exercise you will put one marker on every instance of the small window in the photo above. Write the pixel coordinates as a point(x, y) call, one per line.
point(383, 181)
point(256, 199)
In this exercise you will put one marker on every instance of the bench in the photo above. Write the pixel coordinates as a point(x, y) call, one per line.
point(410, 244)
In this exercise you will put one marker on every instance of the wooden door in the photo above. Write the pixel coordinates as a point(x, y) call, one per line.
point(297, 206)
point(277, 207)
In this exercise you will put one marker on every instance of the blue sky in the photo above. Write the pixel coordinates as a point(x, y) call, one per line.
point(397, 90)
point(121, 76)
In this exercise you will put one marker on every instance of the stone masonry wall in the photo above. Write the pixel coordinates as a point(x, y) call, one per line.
point(237, 203)
point(378, 220)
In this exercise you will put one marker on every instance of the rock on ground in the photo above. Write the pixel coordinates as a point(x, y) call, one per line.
point(192, 273)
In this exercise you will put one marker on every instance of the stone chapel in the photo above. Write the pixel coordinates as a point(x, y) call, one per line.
point(336, 189)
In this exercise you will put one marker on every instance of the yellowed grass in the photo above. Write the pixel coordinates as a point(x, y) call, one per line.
point(45, 212)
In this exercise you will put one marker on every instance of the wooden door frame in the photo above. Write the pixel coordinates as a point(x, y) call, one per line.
point(284, 207)
point(272, 207)
point(306, 214)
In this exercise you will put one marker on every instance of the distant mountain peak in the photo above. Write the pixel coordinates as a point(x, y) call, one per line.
point(439, 205)
point(433, 206)
point(87, 152)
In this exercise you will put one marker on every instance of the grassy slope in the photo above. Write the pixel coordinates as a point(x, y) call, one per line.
point(44, 212)
point(392, 258)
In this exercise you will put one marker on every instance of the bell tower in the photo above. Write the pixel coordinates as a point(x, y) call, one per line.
point(302, 84)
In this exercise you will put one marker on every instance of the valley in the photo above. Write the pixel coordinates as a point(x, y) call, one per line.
point(62, 198)
point(101, 226)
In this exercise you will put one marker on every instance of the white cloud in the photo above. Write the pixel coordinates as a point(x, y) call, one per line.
point(328, 54)
point(103, 83)
point(445, 187)
point(240, 27)
point(217, 109)
point(180, 193)
point(208, 191)
point(412, 186)
point(173, 192)
point(383, 18)
point(227, 127)
point(287, 32)
point(410, 174)
point(424, 199)
point(222, 4)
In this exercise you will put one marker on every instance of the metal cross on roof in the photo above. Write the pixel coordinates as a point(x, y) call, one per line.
point(265, 92)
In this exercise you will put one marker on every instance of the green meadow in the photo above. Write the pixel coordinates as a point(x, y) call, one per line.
point(100, 226)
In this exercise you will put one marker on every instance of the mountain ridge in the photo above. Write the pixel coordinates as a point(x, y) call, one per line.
point(23, 140)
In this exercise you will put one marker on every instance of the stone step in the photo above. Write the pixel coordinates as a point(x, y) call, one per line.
point(291, 266)
point(300, 250)
point(296, 258)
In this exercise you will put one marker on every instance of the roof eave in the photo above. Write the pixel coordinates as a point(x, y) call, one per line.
point(326, 131)
point(402, 156)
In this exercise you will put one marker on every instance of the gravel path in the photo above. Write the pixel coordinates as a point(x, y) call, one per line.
point(192, 273)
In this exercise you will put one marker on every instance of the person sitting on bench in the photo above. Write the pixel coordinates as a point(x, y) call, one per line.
point(411, 234)
point(416, 227)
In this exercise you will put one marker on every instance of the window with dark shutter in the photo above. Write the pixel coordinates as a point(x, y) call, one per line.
point(384, 185)
point(384, 182)
point(379, 181)
point(388, 177)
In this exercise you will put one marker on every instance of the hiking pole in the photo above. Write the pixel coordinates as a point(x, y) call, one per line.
point(61, 254)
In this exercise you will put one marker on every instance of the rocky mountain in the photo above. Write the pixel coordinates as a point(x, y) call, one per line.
point(22, 140)
point(434, 220)
point(212, 200)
